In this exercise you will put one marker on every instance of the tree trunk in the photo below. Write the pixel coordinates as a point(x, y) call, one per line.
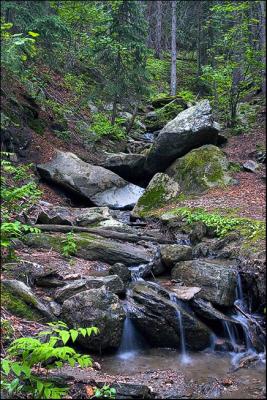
point(158, 29)
point(114, 111)
point(263, 44)
point(174, 50)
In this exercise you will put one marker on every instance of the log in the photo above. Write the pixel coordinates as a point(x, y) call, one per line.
point(127, 237)
point(250, 319)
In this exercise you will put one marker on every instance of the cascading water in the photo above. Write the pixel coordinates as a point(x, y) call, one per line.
point(131, 342)
point(185, 359)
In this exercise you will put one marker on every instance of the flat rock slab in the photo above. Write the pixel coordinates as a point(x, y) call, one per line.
point(101, 186)
point(93, 247)
point(186, 293)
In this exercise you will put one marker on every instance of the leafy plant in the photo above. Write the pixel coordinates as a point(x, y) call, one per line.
point(102, 126)
point(27, 357)
point(105, 392)
point(18, 193)
point(69, 247)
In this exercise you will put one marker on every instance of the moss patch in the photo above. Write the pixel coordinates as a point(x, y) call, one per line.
point(201, 169)
point(151, 199)
point(18, 306)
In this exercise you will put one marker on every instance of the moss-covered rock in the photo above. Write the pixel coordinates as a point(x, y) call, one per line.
point(159, 192)
point(18, 299)
point(159, 118)
point(201, 169)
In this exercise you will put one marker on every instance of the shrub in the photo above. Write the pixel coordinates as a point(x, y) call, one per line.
point(102, 126)
point(69, 246)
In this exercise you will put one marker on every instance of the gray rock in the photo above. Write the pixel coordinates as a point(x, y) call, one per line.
point(190, 129)
point(155, 315)
point(201, 169)
point(250, 166)
point(198, 231)
point(206, 310)
point(113, 283)
point(160, 191)
point(122, 271)
point(100, 308)
point(216, 279)
point(128, 166)
point(185, 293)
point(93, 247)
point(28, 272)
point(101, 186)
point(173, 253)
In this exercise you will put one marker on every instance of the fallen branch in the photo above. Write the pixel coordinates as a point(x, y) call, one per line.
point(124, 236)
point(250, 319)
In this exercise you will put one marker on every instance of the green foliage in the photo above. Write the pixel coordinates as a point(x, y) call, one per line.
point(102, 126)
point(27, 356)
point(105, 392)
point(18, 193)
point(187, 96)
point(69, 247)
point(7, 331)
point(158, 73)
point(222, 225)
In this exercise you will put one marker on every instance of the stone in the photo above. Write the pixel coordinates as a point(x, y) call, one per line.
point(127, 165)
point(100, 308)
point(185, 293)
point(197, 232)
point(122, 271)
point(156, 120)
point(99, 185)
point(28, 272)
point(19, 299)
point(216, 278)
point(201, 169)
point(206, 310)
point(112, 282)
point(250, 166)
point(173, 253)
point(93, 247)
point(161, 190)
point(191, 128)
point(155, 316)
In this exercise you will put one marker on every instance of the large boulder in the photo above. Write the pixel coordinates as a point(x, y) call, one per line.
point(101, 186)
point(20, 300)
point(173, 253)
point(201, 169)
point(93, 247)
point(190, 129)
point(216, 279)
point(161, 190)
point(100, 308)
point(156, 317)
point(127, 165)
point(113, 283)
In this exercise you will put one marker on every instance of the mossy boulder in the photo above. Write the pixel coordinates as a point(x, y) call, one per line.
point(18, 299)
point(158, 119)
point(159, 192)
point(201, 169)
point(100, 308)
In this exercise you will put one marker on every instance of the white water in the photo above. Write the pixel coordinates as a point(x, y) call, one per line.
point(130, 341)
point(185, 359)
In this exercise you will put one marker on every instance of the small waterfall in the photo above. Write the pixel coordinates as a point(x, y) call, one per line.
point(213, 339)
point(130, 341)
point(231, 333)
point(184, 356)
point(137, 272)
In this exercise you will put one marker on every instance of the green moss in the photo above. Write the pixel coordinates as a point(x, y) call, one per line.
point(7, 331)
point(18, 306)
point(37, 125)
point(201, 169)
point(151, 199)
point(164, 115)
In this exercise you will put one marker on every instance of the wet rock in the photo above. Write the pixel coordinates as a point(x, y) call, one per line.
point(201, 169)
point(160, 191)
point(128, 166)
point(173, 253)
point(216, 279)
point(122, 271)
point(55, 308)
point(29, 272)
point(113, 283)
point(93, 247)
point(206, 310)
point(132, 391)
point(101, 186)
point(190, 129)
point(156, 317)
point(250, 166)
point(100, 308)
point(19, 299)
